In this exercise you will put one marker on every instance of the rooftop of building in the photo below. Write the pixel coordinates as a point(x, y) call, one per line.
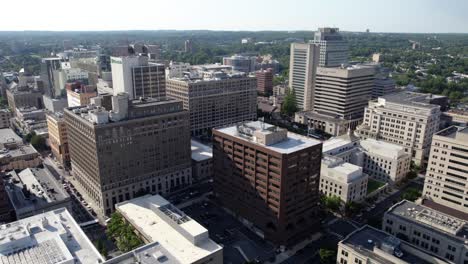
point(338, 142)
point(151, 253)
point(184, 239)
point(201, 151)
point(47, 238)
point(341, 171)
point(431, 219)
point(57, 116)
point(17, 151)
point(33, 189)
point(7, 135)
point(209, 72)
point(411, 99)
point(346, 70)
point(256, 131)
point(382, 148)
point(126, 109)
point(382, 247)
point(455, 132)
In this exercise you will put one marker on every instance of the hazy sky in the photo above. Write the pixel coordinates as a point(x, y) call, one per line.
point(348, 15)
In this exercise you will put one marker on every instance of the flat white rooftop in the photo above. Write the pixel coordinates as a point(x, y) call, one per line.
point(7, 135)
point(51, 237)
point(159, 221)
point(201, 151)
point(335, 143)
point(382, 148)
point(292, 143)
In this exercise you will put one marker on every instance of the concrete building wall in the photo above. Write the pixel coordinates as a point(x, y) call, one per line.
point(446, 179)
point(58, 139)
point(5, 116)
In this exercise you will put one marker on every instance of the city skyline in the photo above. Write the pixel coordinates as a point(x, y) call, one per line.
point(399, 16)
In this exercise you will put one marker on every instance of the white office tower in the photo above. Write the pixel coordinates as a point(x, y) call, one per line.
point(137, 77)
point(303, 67)
point(447, 170)
point(333, 48)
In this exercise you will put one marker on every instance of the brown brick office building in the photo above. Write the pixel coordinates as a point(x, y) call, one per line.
point(269, 178)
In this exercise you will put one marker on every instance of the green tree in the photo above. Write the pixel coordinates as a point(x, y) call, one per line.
point(289, 106)
point(411, 194)
point(332, 203)
point(352, 208)
point(122, 233)
point(327, 256)
point(38, 142)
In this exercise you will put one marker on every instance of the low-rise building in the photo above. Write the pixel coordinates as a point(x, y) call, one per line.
point(79, 94)
point(56, 104)
point(380, 160)
point(384, 161)
point(58, 139)
point(181, 239)
point(24, 97)
point(5, 116)
point(370, 245)
point(47, 238)
point(430, 230)
point(202, 161)
point(35, 190)
point(19, 157)
point(342, 179)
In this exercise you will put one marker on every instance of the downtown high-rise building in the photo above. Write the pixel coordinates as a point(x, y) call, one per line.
point(139, 147)
point(268, 177)
point(446, 181)
point(137, 77)
point(340, 96)
point(215, 98)
point(333, 48)
point(48, 67)
point(302, 69)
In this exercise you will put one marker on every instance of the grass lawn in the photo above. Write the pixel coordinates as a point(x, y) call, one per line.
point(373, 185)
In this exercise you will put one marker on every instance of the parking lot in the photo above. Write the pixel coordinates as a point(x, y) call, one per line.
point(240, 244)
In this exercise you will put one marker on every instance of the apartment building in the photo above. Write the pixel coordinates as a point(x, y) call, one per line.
point(333, 48)
point(137, 77)
point(5, 116)
point(447, 171)
point(429, 230)
point(58, 139)
point(370, 245)
point(215, 98)
point(342, 179)
point(269, 178)
point(79, 94)
point(406, 119)
point(140, 146)
point(265, 81)
point(302, 70)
